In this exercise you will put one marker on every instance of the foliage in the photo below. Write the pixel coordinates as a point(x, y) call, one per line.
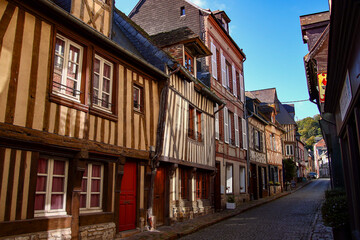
point(277, 183)
point(289, 169)
point(335, 210)
point(230, 199)
point(309, 128)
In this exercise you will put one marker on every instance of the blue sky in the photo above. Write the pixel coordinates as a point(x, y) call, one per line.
point(269, 33)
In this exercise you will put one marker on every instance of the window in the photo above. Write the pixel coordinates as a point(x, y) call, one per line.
point(231, 129)
point(67, 68)
point(234, 88)
point(263, 177)
point(228, 76)
point(236, 131)
point(229, 178)
point(102, 83)
point(274, 141)
point(244, 133)
point(238, 90)
point(242, 179)
point(257, 140)
point(217, 134)
point(223, 70)
point(202, 185)
point(289, 150)
point(51, 186)
point(242, 89)
point(137, 97)
point(184, 183)
point(189, 62)
point(214, 57)
point(92, 187)
point(182, 11)
point(194, 124)
point(226, 125)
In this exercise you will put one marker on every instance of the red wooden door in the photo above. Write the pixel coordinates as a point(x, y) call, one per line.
point(159, 196)
point(127, 215)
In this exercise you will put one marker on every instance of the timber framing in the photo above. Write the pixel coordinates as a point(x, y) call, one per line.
point(21, 137)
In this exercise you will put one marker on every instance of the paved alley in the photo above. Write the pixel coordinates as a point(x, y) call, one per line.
point(290, 217)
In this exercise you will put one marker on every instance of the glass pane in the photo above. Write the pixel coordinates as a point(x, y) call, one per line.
point(41, 184)
point(42, 165)
point(95, 200)
point(97, 65)
point(58, 64)
point(105, 100)
point(84, 185)
point(70, 87)
point(56, 82)
point(59, 167)
point(57, 201)
point(96, 170)
point(39, 202)
point(107, 70)
point(83, 201)
point(58, 184)
point(74, 54)
point(96, 97)
point(96, 81)
point(73, 70)
point(95, 185)
point(59, 47)
point(106, 85)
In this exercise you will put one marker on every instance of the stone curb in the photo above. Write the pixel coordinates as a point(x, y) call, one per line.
point(174, 234)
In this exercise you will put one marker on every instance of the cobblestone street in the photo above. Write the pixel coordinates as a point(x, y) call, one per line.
point(291, 217)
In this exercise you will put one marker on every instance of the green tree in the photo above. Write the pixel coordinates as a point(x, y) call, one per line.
point(289, 169)
point(309, 128)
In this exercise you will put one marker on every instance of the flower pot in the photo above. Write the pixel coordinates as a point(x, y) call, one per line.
point(230, 205)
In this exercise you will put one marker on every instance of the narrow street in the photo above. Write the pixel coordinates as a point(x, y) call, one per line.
point(290, 217)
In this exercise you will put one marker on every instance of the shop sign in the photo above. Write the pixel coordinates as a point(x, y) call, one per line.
point(322, 86)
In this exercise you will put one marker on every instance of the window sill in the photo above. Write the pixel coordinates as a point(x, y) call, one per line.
point(138, 111)
point(103, 114)
point(68, 103)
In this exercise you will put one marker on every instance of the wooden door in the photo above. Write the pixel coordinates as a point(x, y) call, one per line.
point(217, 190)
point(159, 196)
point(253, 182)
point(127, 214)
point(260, 181)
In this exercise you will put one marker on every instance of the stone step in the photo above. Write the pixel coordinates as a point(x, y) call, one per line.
point(128, 233)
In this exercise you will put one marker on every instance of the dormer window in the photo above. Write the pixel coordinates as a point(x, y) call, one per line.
point(182, 11)
point(225, 25)
point(189, 62)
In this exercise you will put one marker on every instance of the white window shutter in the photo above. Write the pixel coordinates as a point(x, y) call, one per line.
point(213, 61)
point(234, 80)
point(223, 69)
point(216, 122)
point(236, 123)
point(242, 92)
point(244, 128)
point(226, 125)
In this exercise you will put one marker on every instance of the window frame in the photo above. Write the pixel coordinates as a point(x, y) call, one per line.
point(242, 179)
point(62, 91)
point(187, 56)
point(195, 124)
point(202, 185)
point(287, 151)
point(88, 208)
point(184, 184)
point(182, 11)
point(48, 191)
point(229, 189)
point(100, 89)
point(140, 107)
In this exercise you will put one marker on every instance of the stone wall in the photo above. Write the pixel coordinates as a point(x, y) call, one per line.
point(98, 231)
point(58, 234)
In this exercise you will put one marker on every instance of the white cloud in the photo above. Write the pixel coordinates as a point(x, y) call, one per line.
point(200, 3)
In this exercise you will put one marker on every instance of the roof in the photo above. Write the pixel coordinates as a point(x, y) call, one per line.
point(283, 117)
point(185, 36)
point(130, 36)
point(266, 95)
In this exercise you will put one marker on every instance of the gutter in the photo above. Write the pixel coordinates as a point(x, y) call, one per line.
point(76, 22)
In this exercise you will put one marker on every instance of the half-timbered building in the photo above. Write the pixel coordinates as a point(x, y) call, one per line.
point(79, 112)
point(222, 72)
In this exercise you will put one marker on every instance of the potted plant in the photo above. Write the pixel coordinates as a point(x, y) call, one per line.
point(335, 213)
point(271, 183)
point(230, 204)
point(277, 183)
